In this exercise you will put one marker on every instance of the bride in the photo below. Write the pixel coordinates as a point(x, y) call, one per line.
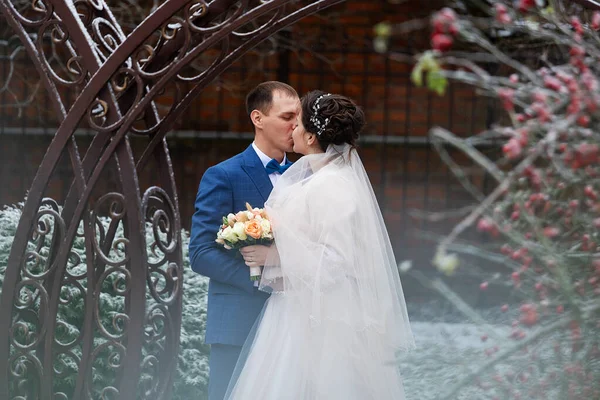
point(336, 317)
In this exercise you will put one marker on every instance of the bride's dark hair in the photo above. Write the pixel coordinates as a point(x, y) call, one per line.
point(337, 119)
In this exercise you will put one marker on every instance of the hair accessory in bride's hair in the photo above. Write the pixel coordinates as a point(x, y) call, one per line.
point(314, 119)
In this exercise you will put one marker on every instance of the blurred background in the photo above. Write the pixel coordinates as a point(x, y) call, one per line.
point(333, 51)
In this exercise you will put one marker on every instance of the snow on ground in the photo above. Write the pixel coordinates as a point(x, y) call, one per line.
point(445, 353)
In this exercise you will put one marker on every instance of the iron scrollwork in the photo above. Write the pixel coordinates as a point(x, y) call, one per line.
point(123, 248)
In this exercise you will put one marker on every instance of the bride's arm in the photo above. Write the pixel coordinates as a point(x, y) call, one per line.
point(327, 250)
point(260, 255)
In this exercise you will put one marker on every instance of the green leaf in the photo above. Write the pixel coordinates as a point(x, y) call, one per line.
point(548, 11)
point(383, 29)
point(429, 62)
point(416, 75)
point(225, 222)
point(437, 82)
point(429, 65)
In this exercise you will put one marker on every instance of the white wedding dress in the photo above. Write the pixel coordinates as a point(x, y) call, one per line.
point(337, 317)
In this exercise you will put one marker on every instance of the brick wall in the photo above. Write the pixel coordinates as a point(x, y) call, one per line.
point(331, 52)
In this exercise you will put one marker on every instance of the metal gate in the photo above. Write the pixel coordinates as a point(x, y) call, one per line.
point(112, 86)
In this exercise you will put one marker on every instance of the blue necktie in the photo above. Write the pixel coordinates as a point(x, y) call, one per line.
point(274, 166)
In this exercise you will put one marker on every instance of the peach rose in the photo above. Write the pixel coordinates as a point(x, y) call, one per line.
point(231, 219)
point(253, 229)
point(241, 216)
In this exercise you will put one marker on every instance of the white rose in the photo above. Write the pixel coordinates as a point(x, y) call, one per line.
point(229, 235)
point(268, 236)
point(239, 230)
point(250, 215)
point(266, 227)
point(231, 219)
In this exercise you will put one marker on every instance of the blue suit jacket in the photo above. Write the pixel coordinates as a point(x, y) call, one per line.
point(233, 301)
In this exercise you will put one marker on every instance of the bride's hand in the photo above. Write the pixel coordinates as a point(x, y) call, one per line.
point(255, 256)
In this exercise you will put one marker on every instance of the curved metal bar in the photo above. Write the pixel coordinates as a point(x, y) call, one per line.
point(50, 160)
point(129, 118)
point(71, 121)
point(176, 49)
point(591, 4)
point(93, 64)
point(23, 232)
point(168, 368)
point(94, 86)
point(135, 325)
point(137, 297)
point(169, 355)
point(10, 14)
point(226, 62)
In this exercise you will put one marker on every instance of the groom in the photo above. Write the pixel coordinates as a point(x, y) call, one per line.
point(234, 302)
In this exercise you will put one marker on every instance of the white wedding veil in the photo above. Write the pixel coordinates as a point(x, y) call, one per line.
point(335, 275)
point(334, 248)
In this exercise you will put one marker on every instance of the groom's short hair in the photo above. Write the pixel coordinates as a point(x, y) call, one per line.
point(261, 97)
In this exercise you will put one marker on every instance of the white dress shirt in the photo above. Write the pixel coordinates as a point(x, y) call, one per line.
point(265, 159)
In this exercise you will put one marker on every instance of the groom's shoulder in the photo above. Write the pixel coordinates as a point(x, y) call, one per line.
point(232, 162)
point(231, 165)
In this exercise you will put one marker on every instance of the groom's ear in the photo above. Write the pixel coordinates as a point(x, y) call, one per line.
point(256, 118)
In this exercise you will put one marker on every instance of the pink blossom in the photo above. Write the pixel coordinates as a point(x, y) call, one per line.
point(540, 97)
point(485, 225)
point(577, 51)
point(590, 192)
point(512, 149)
point(542, 112)
point(552, 83)
point(586, 154)
point(576, 24)
point(445, 21)
point(441, 42)
point(575, 106)
point(596, 20)
point(525, 5)
point(502, 15)
point(583, 120)
point(448, 14)
point(516, 278)
point(529, 314)
point(589, 81)
point(507, 97)
point(551, 232)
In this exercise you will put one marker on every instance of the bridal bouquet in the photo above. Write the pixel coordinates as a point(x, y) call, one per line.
point(246, 228)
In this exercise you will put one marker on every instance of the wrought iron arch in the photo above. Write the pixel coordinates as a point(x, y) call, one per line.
point(117, 79)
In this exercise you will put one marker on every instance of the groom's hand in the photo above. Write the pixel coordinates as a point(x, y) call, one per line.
point(255, 256)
